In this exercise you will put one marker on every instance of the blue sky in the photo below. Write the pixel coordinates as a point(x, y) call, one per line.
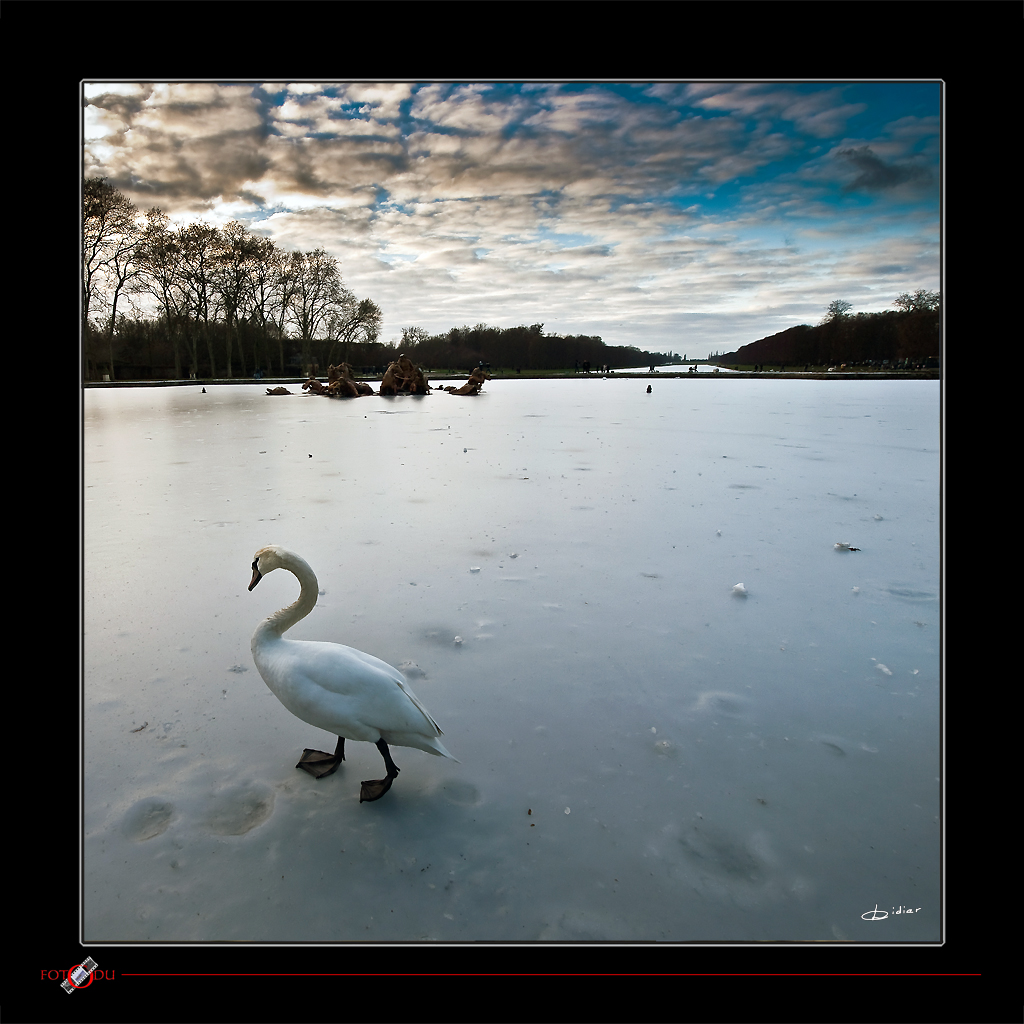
point(676, 216)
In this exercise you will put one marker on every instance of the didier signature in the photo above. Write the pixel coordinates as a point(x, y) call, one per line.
point(881, 915)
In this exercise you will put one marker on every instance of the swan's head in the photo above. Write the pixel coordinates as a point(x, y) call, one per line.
point(266, 560)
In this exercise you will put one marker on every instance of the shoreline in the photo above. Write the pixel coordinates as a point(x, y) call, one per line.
point(667, 375)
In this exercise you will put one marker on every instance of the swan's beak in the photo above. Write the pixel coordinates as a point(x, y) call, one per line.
point(256, 576)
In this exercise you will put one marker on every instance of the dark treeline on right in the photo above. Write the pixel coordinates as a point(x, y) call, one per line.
point(524, 348)
point(906, 335)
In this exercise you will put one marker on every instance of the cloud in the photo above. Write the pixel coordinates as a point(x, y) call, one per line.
point(821, 113)
point(594, 203)
point(876, 175)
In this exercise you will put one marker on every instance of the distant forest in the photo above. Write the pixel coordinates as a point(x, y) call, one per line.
point(525, 348)
point(230, 303)
point(908, 335)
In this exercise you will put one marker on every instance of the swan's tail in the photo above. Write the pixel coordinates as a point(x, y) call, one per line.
point(437, 747)
point(431, 744)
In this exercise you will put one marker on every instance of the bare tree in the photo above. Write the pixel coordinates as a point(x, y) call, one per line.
point(353, 322)
point(110, 242)
point(265, 292)
point(413, 336)
point(919, 301)
point(317, 294)
point(835, 309)
point(234, 258)
point(160, 279)
point(123, 271)
point(285, 284)
point(197, 247)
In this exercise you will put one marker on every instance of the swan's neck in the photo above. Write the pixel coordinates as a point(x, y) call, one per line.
point(287, 617)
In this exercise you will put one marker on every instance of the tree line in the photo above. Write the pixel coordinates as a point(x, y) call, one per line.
point(221, 299)
point(521, 348)
point(908, 335)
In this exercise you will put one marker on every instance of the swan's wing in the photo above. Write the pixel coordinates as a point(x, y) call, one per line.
point(394, 674)
point(358, 676)
point(422, 710)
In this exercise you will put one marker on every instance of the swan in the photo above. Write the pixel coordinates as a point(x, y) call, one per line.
point(337, 688)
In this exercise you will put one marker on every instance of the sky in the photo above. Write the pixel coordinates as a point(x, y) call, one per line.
point(691, 217)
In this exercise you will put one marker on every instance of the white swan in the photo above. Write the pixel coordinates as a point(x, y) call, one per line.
point(337, 688)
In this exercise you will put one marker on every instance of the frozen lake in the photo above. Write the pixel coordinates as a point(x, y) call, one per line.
point(645, 754)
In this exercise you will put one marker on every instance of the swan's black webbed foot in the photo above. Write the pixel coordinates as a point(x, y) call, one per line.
point(319, 763)
point(374, 789)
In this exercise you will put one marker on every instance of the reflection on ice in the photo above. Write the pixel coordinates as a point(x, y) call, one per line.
point(763, 768)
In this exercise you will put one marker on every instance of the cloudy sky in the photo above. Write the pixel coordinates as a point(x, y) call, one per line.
point(684, 217)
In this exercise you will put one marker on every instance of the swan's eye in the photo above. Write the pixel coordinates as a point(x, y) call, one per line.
point(254, 565)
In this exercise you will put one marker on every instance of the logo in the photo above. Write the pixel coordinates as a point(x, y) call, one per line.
point(80, 976)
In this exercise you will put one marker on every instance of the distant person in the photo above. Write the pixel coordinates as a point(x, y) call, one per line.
point(648, 389)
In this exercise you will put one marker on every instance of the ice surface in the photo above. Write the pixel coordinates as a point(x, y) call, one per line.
point(755, 768)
